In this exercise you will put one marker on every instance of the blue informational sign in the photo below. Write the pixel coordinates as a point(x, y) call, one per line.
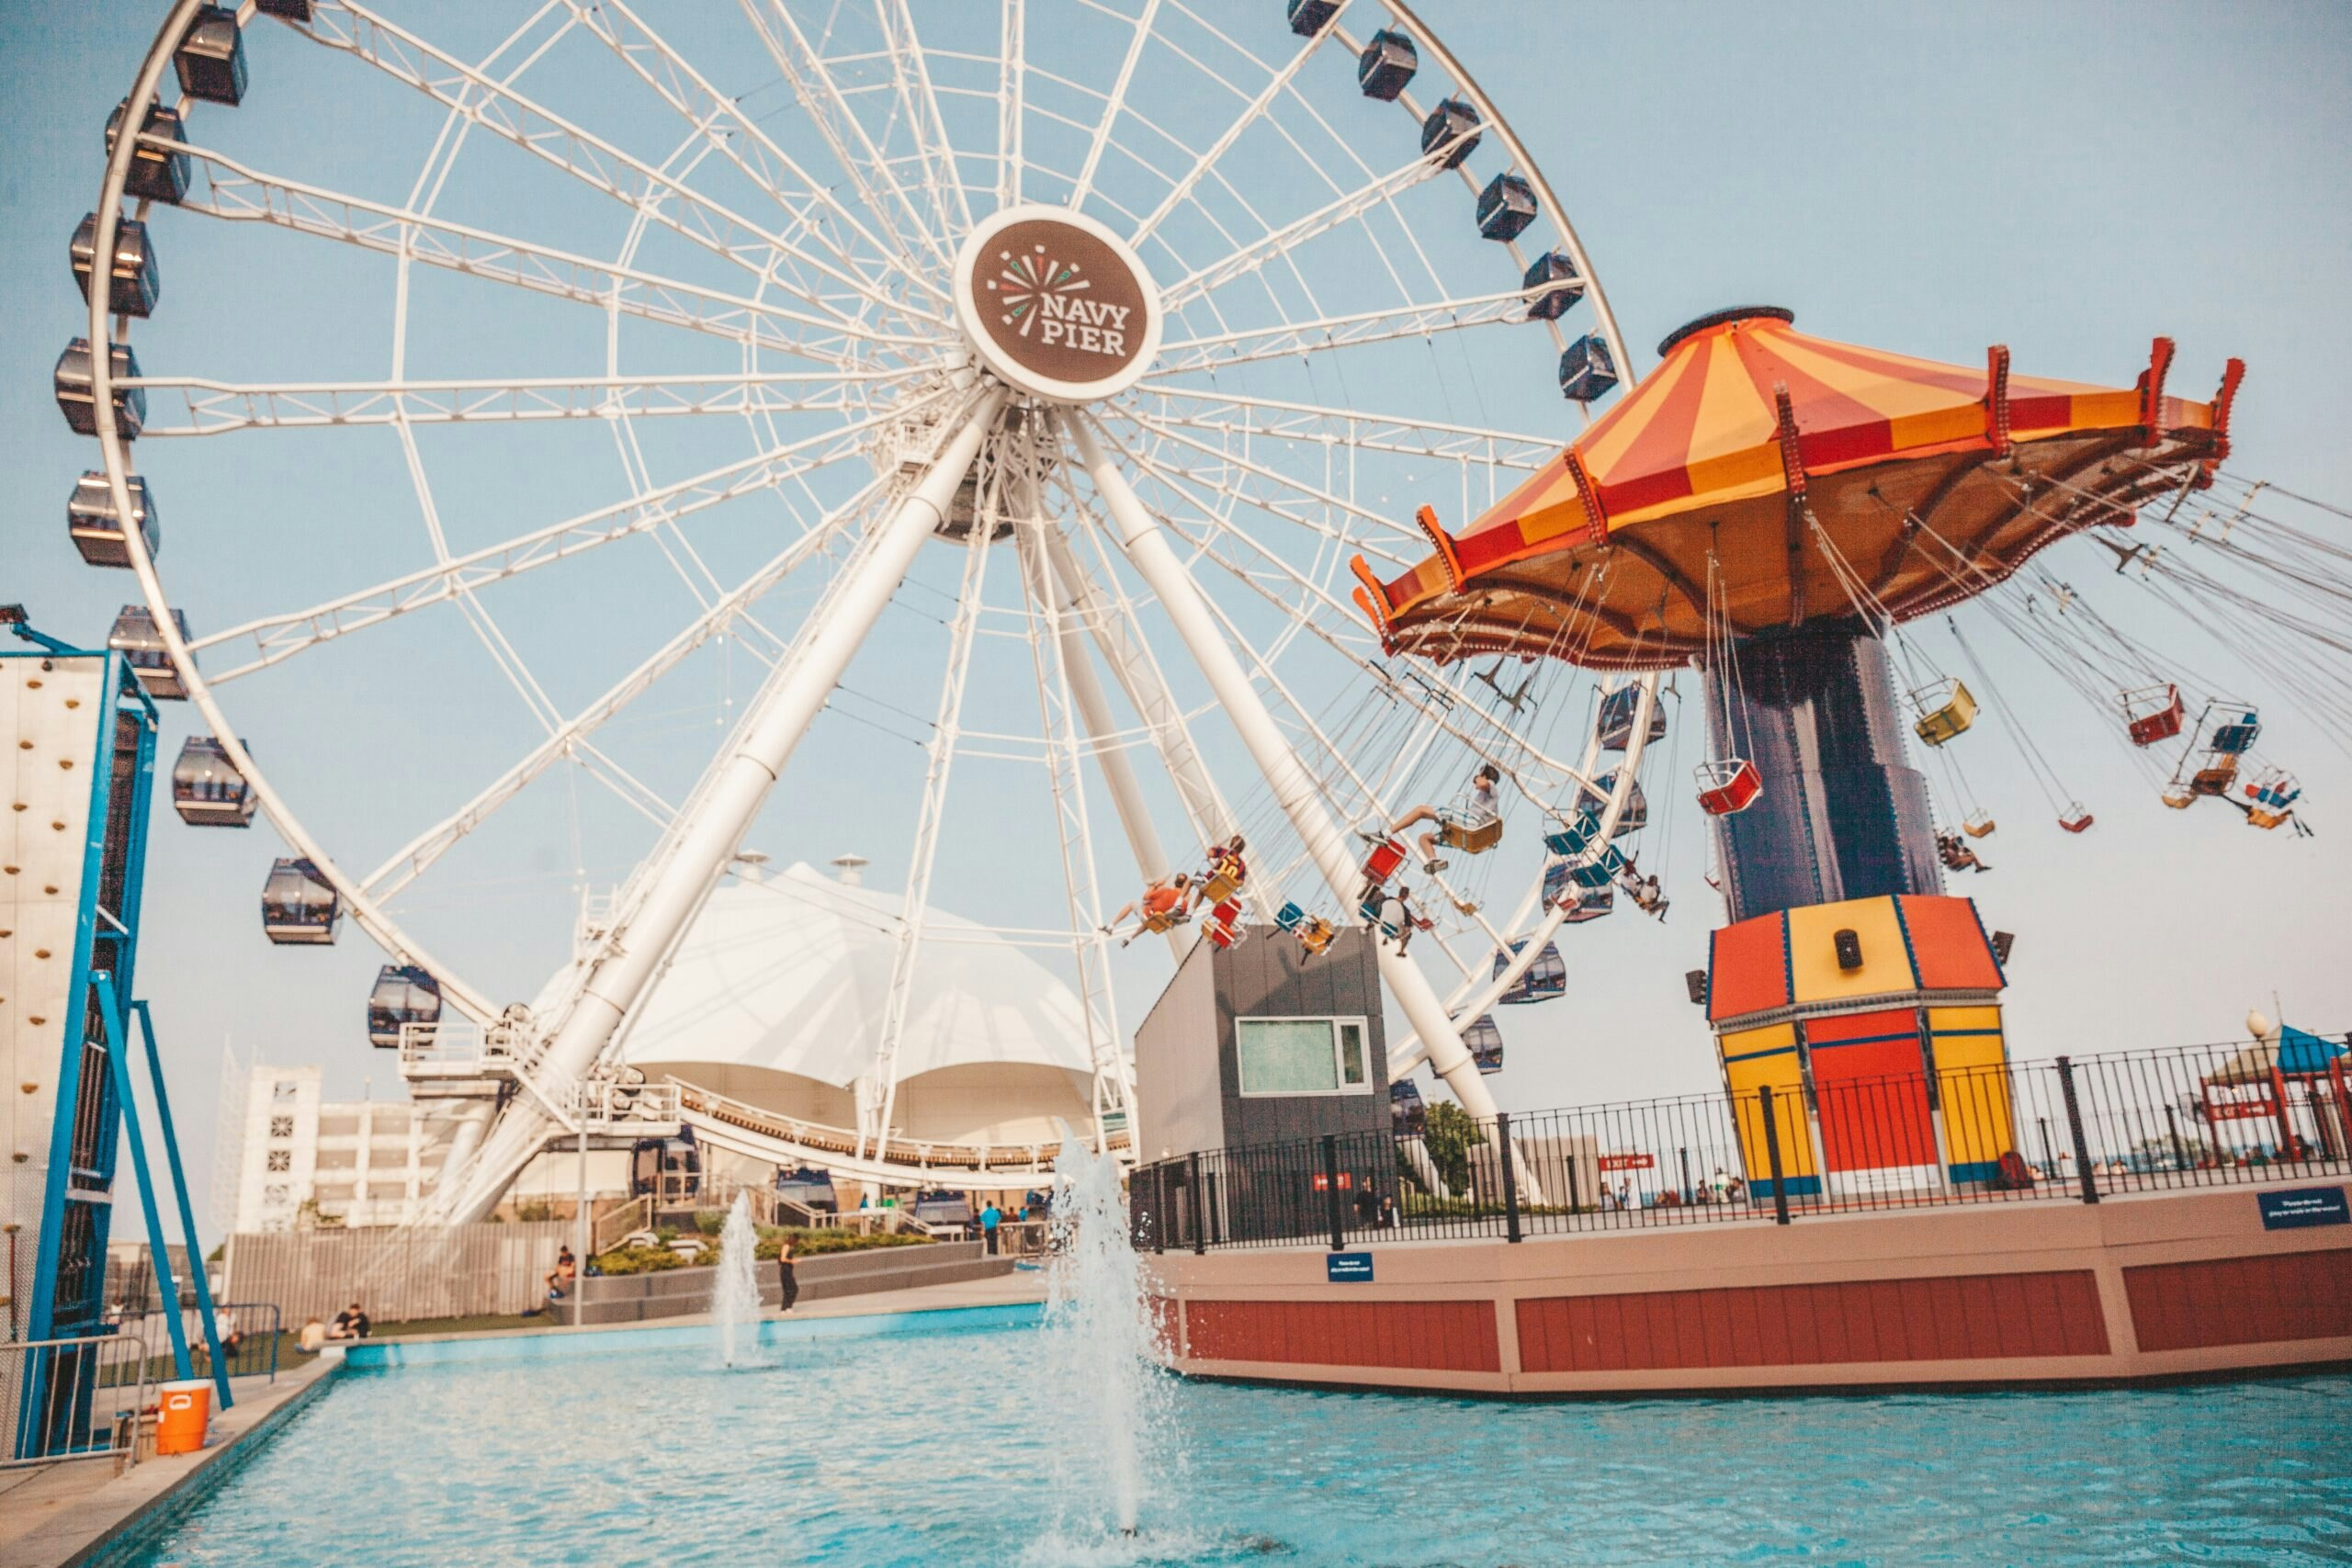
point(1355, 1268)
point(2287, 1211)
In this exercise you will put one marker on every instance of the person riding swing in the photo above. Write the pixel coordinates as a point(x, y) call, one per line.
point(1162, 903)
point(1472, 824)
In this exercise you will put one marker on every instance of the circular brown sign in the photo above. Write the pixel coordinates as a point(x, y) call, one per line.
point(1057, 304)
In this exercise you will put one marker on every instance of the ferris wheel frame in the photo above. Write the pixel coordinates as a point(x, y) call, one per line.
point(599, 1008)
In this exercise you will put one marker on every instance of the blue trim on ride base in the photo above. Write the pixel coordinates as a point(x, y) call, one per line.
point(1798, 1186)
point(374, 1355)
point(1910, 949)
point(1979, 1170)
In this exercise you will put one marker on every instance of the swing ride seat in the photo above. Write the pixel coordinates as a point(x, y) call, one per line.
point(2273, 788)
point(1315, 935)
point(2235, 730)
point(2215, 777)
point(1472, 831)
point(1946, 710)
point(1979, 824)
point(1385, 857)
point(1370, 910)
point(2153, 714)
point(1289, 918)
point(1575, 839)
point(2180, 796)
point(2076, 818)
point(1728, 786)
point(1166, 919)
point(2263, 816)
point(1222, 933)
point(1223, 885)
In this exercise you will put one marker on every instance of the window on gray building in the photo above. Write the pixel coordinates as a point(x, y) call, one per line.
point(1302, 1055)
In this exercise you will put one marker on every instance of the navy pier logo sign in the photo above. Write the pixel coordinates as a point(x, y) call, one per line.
point(2302, 1207)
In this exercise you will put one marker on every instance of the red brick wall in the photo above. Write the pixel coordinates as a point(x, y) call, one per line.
point(2242, 1301)
point(1963, 1317)
point(1449, 1336)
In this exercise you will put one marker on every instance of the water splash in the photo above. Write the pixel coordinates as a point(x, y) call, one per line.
point(735, 1293)
point(1104, 1343)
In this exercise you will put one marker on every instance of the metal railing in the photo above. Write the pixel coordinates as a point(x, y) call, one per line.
point(2074, 1129)
point(253, 1327)
point(75, 1398)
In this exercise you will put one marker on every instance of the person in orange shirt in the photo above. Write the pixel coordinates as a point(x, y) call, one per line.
point(1159, 898)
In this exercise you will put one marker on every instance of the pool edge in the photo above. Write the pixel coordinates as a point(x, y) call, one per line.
point(510, 1344)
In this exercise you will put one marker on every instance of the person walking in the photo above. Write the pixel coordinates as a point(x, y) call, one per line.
point(990, 1217)
point(787, 1284)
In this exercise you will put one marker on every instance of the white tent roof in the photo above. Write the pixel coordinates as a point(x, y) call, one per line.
point(790, 972)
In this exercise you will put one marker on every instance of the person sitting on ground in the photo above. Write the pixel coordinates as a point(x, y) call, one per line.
point(566, 1269)
point(350, 1322)
point(1482, 806)
point(224, 1329)
point(1159, 898)
point(314, 1335)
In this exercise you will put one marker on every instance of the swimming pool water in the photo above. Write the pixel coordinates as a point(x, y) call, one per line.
point(947, 1449)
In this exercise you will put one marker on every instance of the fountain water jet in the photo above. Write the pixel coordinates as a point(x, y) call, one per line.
point(1104, 1340)
point(735, 1293)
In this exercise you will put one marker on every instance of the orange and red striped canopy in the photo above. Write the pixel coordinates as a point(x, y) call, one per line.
point(1760, 476)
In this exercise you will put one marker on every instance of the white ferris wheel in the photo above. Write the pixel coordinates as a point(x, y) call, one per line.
point(993, 397)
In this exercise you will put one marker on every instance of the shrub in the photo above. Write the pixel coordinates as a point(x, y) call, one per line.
point(537, 1209)
point(639, 1260)
point(816, 1243)
point(710, 1221)
point(1451, 1136)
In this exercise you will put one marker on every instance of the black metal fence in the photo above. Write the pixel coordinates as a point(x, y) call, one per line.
point(250, 1333)
point(2072, 1129)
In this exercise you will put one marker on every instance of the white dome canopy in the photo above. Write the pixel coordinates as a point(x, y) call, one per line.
point(790, 973)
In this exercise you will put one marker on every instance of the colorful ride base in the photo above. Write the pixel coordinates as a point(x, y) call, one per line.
point(1869, 1021)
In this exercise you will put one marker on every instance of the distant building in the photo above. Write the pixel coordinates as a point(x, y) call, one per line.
point(301, 1160)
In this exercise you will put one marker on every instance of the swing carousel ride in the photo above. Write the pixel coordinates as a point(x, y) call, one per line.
point(729, 354)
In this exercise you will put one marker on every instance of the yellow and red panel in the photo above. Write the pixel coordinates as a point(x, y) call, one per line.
point(1871, 1081)
point(1973, 1082)
point(1755, 1059)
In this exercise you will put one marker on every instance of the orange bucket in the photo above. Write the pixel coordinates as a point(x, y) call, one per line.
point(185, 1412)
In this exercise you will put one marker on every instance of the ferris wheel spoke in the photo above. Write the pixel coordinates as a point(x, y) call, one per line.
point(1177, 435)
point(1292, 339)
point(805, 72)
point(238, 194)
point(1100, 141)
point(1012, 93)
point(1492, 732)
point(497, 108)
point(739, 138)
point(216, 408)
point(276, 638)
point(1342, 209)
point(1191, 179)
point(919, 111)
point(1270, 420)
point(417, 856)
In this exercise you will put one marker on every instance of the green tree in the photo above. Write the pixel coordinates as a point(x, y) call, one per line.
point(1451, 1136)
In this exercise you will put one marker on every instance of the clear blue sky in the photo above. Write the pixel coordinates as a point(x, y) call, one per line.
point(2067, 179)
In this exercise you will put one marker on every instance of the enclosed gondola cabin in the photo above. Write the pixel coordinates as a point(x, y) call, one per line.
point(134, 284)
point(403, 997)
point(1505, 207)
point(810, 1188)
point(1408, 1113)
point(210, 59)
point(1594, 799)
point(1582, 904)
point(1546, 977)
point(1616, 720)
point(157, 173)
point(97, 532)
point(1386, 65)
point(1588, 371)
point(207, 789)
point(1308, 17)
point(141, 646)
point(298, 906)
point(1483, 1040)
point(78, 390)
point(1453, 126)
point(1555, 275)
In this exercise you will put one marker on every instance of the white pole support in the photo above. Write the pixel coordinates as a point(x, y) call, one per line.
point(1295, 789)
point(764, 743)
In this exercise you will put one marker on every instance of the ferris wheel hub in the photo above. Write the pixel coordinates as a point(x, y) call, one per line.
point(1055, 304)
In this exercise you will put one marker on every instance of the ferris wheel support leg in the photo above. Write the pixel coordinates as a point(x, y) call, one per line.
point(1146, 546)
point(764, 742)
point(1042, 549)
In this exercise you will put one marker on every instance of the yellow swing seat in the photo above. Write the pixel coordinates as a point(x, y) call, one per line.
point(1946, 710)
point(1472, 833)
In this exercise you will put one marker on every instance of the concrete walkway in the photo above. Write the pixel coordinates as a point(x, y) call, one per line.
point(59, 1514)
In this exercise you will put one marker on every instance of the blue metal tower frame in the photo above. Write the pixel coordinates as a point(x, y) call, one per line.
point(96, 1091)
